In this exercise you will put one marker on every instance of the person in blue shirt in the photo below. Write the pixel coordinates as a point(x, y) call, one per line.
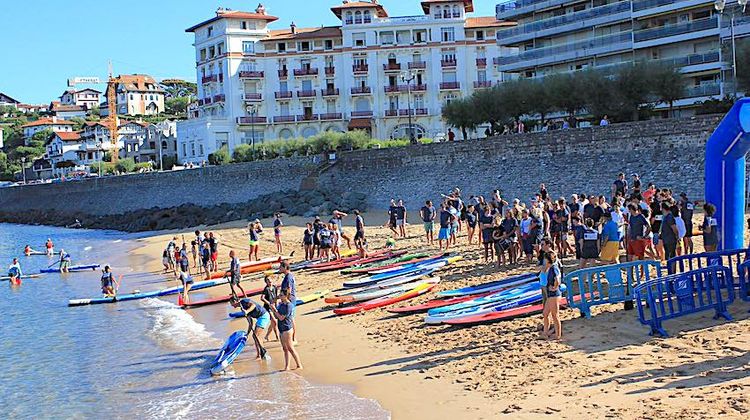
point(15, 273)
point(277, 224)
point(254, 311)
point(610, 238)
point(284, 314)
point(428, 215)
point(446, 223)
point(552, 304)
point(289, 287)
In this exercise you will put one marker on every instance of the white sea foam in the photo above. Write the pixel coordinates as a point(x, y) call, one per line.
point(175, 328)
point(88, 248)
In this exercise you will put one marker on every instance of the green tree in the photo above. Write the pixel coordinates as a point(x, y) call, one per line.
point(567, 92)
point(488, 106)
point(668, 85)
point(514, 95)
point(175, 88)
point(460, 114)
point(125, 165)
point(540, 98)
point(176, 105)
point(78, 123)
point(634, 85)
point(602, 99)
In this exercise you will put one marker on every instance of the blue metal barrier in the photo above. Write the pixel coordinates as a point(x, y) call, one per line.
point(730, 258)
point(586, 286)
point(744, 272)
point(681, 294)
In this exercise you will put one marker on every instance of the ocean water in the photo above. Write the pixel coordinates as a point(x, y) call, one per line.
point(146, 358)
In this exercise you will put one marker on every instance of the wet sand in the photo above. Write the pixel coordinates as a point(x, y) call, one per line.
point(607, 366)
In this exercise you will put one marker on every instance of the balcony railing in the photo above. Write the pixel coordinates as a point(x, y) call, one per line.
point(693, 59)
point(330, 71)
point(251, 120)
point(284, 119)
point(391, 66)
point(209, 79)
point(448, 63)
point(676, 29)
point(306, 71)
point(481, 62)
point(419, 88)
point(207, 101)
point(251, 74)
point(283, 72)
point(557, 21)
point(219, 98)
point(305, 93)
point(580, 47)
point(414, 111)
point(708, 89)
point(360, 68)
point(391, 112)
point(417, 65)
point(502, 9)
point(360, 114)
point(650, 4)
point(361, 90)
point(394, 88)
point(482, 84)
point(307, 117)
point(331, 116)
point(330, 92)
point(450, 85)
point(252, 97)
point(283, 95)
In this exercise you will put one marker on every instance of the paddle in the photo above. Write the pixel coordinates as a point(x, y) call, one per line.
point(261, 349)
point(54, 263)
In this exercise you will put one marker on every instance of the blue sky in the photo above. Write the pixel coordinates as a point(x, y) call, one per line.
point(48, 41)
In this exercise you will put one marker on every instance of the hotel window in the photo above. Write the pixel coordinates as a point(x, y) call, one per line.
point(306, 85)
point(357, 17)
point(360, 81)
point(283, 86)
point(220, 48)
point(386, 38)
point(203, 54)
point(438, 12)
point(481, 52)
point(418, 101)
point(349, 20)
point(358, 39)
point(210, 31)
point(331, 106)
point(393, 103)
point(248, 47)
point(305, 64)
point(366, 17)
point(482, 75)
point(479, 35)
point(450, 97)
point(243, 25)
point(447, 35)
point(456, 12)
point(329, 61)
point(447, 12)
point(449, 55)
point(360, 61)
point(420, 36)
point(211, 52)
point(303, 46)
point(282, 47)
point(284, 109)
point(329, 44)
point(449, 77)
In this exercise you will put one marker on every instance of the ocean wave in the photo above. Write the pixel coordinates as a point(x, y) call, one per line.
point(174, 328)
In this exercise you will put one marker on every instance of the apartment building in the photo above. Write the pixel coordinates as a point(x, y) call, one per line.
point(55, 124)
point(370, 72)
point(86, 98)
point(137, 94)
point(568, 35)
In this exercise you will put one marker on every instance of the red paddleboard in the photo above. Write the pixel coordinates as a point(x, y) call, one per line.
point(394, 265)
point(220, 299)
point(435, 303)
point(367, 260)
point(384, 301)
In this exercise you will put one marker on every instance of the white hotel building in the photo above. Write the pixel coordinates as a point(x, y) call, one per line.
point(256, 83)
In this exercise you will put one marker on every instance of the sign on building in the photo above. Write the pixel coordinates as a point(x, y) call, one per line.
point(83, 80)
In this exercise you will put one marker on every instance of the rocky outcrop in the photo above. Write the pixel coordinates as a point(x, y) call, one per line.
point(293, 203)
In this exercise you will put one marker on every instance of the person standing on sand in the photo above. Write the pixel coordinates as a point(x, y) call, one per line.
point(184, 261)
point(253, 241)
point(359, 235)
point(610, 240)
point(277, 224)
point(234, 274)
point(401, 219)
point(392, 217)
point(269, 297)
point(687, 208)
point(710, 228)
point(638, 230)
point(427, 213)
point(289, 288)
point(206, 258)
point(197, 244)
point(213, 245)
point(253, 310)
point(338, 219)
point(284, 313)
point(471, 223)
point(307, 242)
point(446, 221)
point(171, 247)
point(552, 304)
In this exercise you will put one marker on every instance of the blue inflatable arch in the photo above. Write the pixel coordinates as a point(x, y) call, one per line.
point(725, 173)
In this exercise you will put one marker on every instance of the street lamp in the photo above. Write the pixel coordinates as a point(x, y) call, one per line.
point(252, 109)
point(23, 169)
point(407, 78)
point(99, 149)
point(720, 6)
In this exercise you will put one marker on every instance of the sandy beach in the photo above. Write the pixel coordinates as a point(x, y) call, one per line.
point(606, 366)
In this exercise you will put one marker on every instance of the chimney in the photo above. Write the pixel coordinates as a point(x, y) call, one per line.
point(54, 119)
point(261, 10)
point(293, 28)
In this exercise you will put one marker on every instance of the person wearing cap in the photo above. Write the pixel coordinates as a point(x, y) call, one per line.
point(108, 282)
point(610, 238)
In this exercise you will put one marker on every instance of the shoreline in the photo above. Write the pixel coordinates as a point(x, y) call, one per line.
point(501, 369)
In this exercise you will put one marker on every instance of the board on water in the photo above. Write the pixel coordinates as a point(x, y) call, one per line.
point(24, 277)
point(71, 269)
point(231, 349)
point(219, 299)
point(143, 295)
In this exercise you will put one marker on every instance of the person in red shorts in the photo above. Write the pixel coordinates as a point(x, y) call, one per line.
point(638, 228)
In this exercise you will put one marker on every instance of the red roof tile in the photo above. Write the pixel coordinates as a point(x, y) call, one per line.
point(380, 12)
point(46, 121)
point(69, 135)
point(486, 22)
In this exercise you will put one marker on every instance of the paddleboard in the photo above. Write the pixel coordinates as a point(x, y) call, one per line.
point(435, 303)
point(71, 269)
point(409, 270)
point(220, 299)
point(491, 286)
point(363, 269)
point(32, 253)
point(419, 290)
point(231, 349)
point(487, 299)
point(382, 257)
point(500, 315)
point(24, 277)
point(523, 300)
point(373, 293)
point(300, 301)
point(143, 295)
point(248, 267)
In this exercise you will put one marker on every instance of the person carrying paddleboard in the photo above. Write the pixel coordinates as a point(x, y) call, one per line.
point(50, 247)
point(64, 261)
point(109, 284)
point(15, 273)
point(234, 274)
point(254, 311)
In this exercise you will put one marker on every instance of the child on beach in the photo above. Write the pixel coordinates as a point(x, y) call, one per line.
point(283, 312)
point(269, 297)
point(335, 240)
point(277, 224)
point(552, 304)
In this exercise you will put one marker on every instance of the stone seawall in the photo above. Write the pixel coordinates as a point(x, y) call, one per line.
point(669, 153)
point(666, 152)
